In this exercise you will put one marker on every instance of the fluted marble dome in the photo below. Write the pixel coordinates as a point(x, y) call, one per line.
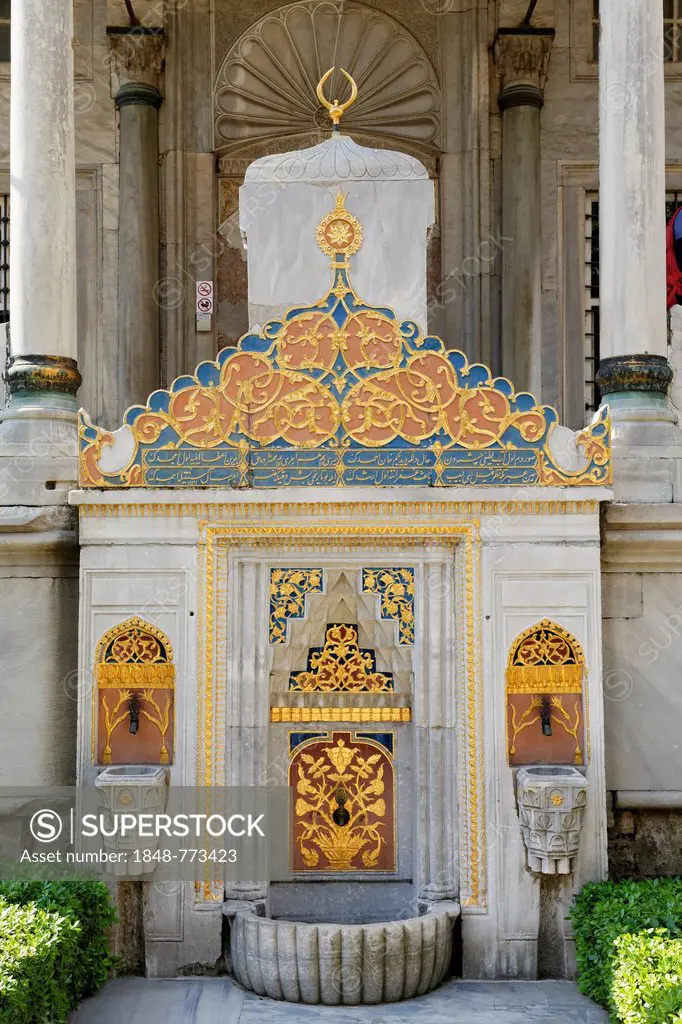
point(336, 160)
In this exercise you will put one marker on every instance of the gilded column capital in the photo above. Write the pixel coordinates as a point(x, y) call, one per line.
point(522, 59)
point(137, 58)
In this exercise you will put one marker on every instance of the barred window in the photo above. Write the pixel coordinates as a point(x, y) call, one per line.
point(5, 8)
point(595, 30)
point(4, 258)
point(673, 201)
point(591, 285)
point(672, 31)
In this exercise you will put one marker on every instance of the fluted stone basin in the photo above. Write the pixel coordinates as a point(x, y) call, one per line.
point(343, 963)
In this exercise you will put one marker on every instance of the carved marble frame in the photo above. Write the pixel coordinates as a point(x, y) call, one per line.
point(538, 552)
point(436, 759)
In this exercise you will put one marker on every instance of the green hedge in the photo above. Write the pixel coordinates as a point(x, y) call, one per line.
point(647, 979)
point(53, 949)
point(628, 938)
point(36, 947)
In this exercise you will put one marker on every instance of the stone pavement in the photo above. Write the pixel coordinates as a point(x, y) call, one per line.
point(219, 1001)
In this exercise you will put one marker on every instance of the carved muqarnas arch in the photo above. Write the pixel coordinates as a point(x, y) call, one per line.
point(544, 683)
point(135, 695)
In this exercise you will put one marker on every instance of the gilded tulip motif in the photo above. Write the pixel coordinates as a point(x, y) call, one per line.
point(288, 589)
point(341, 665)
point(344, 810)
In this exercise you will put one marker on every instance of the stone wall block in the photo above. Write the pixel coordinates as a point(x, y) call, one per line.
point(622, 595)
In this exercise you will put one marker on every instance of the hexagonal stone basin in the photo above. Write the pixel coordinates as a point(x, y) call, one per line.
point(347, 964)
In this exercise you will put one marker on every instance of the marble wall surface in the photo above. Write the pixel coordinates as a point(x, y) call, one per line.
point(484, 572)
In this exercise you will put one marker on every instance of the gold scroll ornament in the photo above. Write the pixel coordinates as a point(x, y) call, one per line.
point(544, 677)
point(341, 665)
point(135, 660)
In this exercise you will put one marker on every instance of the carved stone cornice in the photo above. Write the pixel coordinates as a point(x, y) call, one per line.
point(522, 59)
point(137, 57)
point(640, 537)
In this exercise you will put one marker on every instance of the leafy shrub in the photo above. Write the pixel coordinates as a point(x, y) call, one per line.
point(36, 946)
point(63, 938)
point(647, 980)
point(606, 912)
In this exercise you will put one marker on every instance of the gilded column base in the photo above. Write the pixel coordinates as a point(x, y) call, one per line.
point(634, 373)
point(645, 438)
point(43, 375)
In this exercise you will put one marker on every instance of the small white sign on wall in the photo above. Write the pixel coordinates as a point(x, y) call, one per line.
point(204, 305)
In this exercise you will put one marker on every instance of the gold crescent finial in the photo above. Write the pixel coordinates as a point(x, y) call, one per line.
point(335, 108)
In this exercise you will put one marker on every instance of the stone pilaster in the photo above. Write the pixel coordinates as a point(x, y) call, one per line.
point(435, 700)
point(137, 63)
point(522, 58)
point(461, 309)
point(634, 374)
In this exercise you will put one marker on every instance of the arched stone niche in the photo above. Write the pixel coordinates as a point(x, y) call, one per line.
point(544, 684)
point(135, 692)
point(264, 96)
point(342, 649)
point(264, 102)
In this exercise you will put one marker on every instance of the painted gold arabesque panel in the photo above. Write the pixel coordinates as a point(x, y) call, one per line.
point(341, 393)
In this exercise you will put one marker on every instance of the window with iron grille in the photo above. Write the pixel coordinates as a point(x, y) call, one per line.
point(591, 286)
point(673, 201)
point(5, 8)
point(595, 30)
point(672, 31)
point(4, 259)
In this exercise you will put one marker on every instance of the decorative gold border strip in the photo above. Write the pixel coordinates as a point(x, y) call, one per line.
point(287, 714)
point(476, 896)
point(404, 534)
point(208, 512)
point(543, 687)
point(160, 677)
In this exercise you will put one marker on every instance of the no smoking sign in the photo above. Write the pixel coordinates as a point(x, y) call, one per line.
point(205, 297)
point(204, 306)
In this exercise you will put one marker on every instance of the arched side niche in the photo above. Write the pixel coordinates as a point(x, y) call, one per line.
point(544, 693)
point(264, 95)
point(135, 694)
point(344, 813)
